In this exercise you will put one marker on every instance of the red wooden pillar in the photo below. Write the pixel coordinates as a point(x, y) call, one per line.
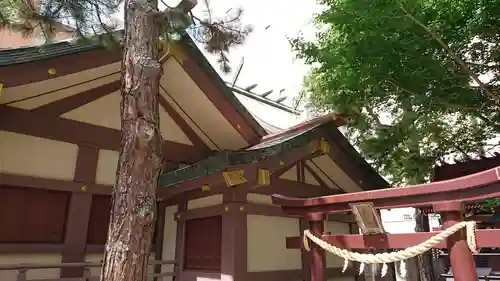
point(234, 237)
point(305, 255)
point(318, 257)
point(461, 259)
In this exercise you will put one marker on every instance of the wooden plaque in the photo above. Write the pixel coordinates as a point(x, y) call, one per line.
point(368, 218)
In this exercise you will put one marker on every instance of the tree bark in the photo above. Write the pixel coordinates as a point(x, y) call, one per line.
point(424, 261)
point(134, 195)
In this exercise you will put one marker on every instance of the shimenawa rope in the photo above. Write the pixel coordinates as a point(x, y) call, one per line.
point(398, 256)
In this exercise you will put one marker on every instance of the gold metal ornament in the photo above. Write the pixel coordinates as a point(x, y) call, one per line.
point(233, 178)
point(264, 177)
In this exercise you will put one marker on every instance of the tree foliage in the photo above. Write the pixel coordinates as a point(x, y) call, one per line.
point(407, 73)
point(92, 20)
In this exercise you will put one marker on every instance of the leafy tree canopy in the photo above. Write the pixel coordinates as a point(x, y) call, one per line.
point(418, 79)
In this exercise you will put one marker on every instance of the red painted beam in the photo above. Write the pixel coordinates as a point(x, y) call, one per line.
point(65, 65)
point(486, 238)
point(67, 104)
point(465, 189)
point(26, 122)
point(273, 164)
point(284, 186)
point(176, 117)
point(208, 85)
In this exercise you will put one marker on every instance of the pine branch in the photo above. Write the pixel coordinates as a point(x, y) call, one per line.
point(219, 36)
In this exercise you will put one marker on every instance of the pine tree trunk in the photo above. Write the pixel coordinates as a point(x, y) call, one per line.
point(424, 261)
point(134, 195)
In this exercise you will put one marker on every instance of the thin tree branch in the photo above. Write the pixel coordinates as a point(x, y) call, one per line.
point(373, 115)
point(395, 83)
point(458, 60)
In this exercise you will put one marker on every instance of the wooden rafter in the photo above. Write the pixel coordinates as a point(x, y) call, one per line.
point(281, 186)
point(318, 178)
point(63, 64)
point(216, 178)
point(286, 168)
point(190, 133)
point(358, 173)
point(70, 103)
point(214, 94)
point(60, 129)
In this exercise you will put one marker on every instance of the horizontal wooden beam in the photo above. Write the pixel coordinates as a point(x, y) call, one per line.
point(280, 186)
point(465, 189)
point(272, 163)
point(296, 189)
point(25, 122)
point(70, 103)
point(53, 184)
point(295, 274)
point(14, 75)
point(486, 238)
point(198, 213)
point(30, 248)
point(250, 208)
point(345, 218)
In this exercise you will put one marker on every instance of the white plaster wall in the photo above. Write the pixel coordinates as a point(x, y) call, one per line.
point(189, 96)
point(94, 271)
point(103, 112)
point(169, 238)
point(15, 259)
point(290, 174)
point(335, 174)
point(205, 202)
point(40, 100)
point(55, 85)
point(107, 163)
point(38, 157)
point(309, 178)
point(170, 130)
point(259, 198)
point(266, 243)
point(335, 228)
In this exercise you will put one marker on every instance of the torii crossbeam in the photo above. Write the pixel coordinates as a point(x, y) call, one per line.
point(446, 198)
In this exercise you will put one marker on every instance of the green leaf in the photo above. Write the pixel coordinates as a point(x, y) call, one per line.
point(419, 107)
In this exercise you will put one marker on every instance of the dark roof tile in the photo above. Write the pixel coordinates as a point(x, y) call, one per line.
point(27, 54)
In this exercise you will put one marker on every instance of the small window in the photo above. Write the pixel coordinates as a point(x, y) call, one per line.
point(32, 215)
point(97, 232)
point(203, 244)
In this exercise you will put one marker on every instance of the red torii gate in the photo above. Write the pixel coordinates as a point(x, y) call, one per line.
point(445, 197)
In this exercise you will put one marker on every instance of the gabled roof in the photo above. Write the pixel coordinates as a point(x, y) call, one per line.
point(278, 145)
point(73, 54)
point(207, 67)
point(346, 163)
